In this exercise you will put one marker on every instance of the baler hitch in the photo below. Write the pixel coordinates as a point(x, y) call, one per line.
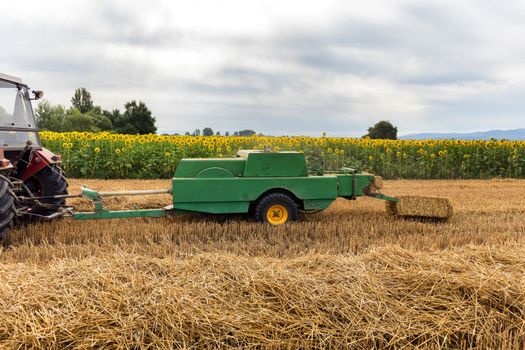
point(103, 213)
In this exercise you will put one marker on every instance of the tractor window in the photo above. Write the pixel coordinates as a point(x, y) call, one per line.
point(17, 138)
point(15, 106)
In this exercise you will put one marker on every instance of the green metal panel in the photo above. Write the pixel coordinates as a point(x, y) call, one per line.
point(224, 195)
point(353, 185)
point(214, 207)
point(278, 164)
point(190, 168)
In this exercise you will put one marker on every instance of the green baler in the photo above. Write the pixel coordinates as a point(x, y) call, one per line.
point(273, 186)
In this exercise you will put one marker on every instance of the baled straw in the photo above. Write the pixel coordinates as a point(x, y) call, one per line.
point(421, 207)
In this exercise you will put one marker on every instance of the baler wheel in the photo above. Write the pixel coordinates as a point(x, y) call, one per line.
point(275, 209)
point(7, 208)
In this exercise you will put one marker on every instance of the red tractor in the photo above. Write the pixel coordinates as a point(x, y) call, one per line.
point(29, 174)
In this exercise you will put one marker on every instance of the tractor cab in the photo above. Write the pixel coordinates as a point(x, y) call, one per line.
point(17, 120)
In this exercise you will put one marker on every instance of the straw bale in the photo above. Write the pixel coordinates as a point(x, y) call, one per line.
point(421, 207)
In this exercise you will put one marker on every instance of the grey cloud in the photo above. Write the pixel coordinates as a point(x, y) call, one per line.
point(442, 42)
point(223, 89)
point(126, 24)
point(447, 78)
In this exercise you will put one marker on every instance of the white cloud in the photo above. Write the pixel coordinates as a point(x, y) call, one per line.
point(279, 66)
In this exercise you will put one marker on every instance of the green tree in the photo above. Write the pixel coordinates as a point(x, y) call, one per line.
point(196, 132)
point(246, 133)
point(136, 119)
point(82, 101)
point(207, 132)
point(382, 130)
point(113, 115)
point(102, 122)
point(77, 121)
point(50, 117)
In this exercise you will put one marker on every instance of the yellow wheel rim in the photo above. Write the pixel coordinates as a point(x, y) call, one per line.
point(277, 214)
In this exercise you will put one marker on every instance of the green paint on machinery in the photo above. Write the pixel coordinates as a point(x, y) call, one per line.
point(273, 186)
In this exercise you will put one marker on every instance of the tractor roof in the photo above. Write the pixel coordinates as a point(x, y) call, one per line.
point(11, 78)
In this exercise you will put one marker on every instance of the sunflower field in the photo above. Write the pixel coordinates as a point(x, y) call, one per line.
point(106, 155)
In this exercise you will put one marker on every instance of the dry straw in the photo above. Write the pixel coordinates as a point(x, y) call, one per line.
point(390, 297)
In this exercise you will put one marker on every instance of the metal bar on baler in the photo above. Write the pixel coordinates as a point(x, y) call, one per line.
point(120, 214)
point(58, 196)
point(133, 193)
point(103, 194)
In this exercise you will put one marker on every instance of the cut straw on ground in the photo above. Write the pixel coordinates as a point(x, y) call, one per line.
point(388, 297)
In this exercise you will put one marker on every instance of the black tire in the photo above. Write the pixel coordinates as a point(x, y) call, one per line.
point(272, 200)
point(49, 181)
point(7, 209)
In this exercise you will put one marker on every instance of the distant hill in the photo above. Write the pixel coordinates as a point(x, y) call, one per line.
point(514, 134)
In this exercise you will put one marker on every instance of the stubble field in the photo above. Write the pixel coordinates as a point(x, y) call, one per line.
point(348, 277)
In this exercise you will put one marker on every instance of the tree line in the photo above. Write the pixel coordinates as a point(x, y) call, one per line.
point(381, 130)
point(84, 115)
point(136, 118)
point(209, 132)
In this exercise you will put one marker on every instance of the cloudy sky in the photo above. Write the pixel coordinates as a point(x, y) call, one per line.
point(279, 67)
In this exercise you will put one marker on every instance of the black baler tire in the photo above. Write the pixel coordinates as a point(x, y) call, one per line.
point(7, 208)
point(262, 206)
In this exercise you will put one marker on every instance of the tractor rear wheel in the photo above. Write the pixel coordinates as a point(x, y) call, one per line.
point(49, 181)
point(275, 209)
point(7, 208)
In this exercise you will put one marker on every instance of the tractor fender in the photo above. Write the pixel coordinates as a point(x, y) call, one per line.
point(39, 159)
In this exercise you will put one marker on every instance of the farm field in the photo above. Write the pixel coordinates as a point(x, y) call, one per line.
point(347, 277)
